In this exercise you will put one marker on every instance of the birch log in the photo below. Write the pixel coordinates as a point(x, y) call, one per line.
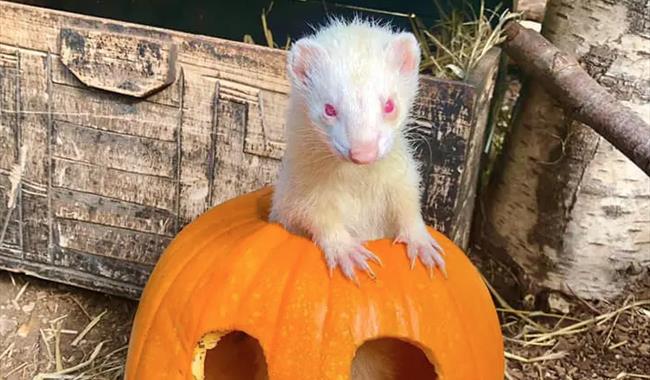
point(568, 209)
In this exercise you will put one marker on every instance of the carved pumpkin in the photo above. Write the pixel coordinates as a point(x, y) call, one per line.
point(236, 297)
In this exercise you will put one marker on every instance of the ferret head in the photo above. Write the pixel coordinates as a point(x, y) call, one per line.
point(358, 81)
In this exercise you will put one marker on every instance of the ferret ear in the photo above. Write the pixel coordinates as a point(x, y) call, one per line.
point(303, 55)
point(404, 53)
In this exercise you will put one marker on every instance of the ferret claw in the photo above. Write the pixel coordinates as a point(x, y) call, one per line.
point(351, 259)
point(427, 249)
point(365, 252)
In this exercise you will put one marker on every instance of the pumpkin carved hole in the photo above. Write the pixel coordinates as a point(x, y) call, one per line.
point(391, 359)
point(232, 355)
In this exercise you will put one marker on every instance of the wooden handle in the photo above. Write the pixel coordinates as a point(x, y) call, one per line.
point(123, 64)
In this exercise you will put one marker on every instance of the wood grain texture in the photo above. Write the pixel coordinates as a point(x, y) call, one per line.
point(99, 180)
point(116, 62)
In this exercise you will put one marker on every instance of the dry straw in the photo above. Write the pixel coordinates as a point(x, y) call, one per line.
point(532, 333)
point(451, 48)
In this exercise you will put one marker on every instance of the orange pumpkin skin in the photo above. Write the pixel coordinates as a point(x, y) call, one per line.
point(232, 270)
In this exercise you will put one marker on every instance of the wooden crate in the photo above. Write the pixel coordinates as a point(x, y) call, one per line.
point(113, 136)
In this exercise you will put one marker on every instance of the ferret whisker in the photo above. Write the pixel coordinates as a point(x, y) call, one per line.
point(414, 139)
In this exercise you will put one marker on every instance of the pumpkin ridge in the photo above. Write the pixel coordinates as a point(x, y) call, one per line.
point(406, 306)
point(483, 289)
point(163, 294)
point(270, 255)
point(288, 285)
point(326, 319)
point(249, 223)
point(210, 267)
point(174, 326)
point(464, 327)
point(363, 296)
point(215, 270)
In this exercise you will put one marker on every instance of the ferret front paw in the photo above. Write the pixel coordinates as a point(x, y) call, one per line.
point(420, 244)
point(349, 258)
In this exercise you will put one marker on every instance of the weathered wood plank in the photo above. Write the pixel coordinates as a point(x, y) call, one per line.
point(118, 243)
point(169, 95)
point(33, 98)
point(266, 123)
point(258, 66)
point(146, 190)
point(8, 107)
point(38, 28)
point(75, 205)
point(33, 161)
point(237, 172)
point(36, 230)
point(118, 151)
point(195, 145)
point(248, 64)
point(103, 267)
point(114, 113)
point(9, 223)
point(483, 79)
point(10, 136)
point(12, 237)
point(118, 63)
point(443, 120)
point(69, 272)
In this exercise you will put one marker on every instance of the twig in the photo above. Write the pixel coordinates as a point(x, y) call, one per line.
point(47, 345)
point(538, 314)
point(7, 350)
point(88, 327)
point(551, 356)
point(625, 375)
point(15, 370)
point(579, 94)
point(525, 343)
point(60, 374)
point(83, 309)
point(504, 304)
point(590, 306)
point(617, 345)
point(62, 331)
point(20, 292)
point(57, 347)
point(57, 319)
point(581, 326)
point(611, 328)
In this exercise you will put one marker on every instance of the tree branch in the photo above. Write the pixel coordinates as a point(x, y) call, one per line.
point(579, 94)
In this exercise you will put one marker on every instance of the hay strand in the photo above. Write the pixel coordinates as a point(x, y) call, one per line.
point(550, 356)
point(62, 374)
point(87, 329)
point(57, 347)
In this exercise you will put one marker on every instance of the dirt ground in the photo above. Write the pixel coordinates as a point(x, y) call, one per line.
point(576, 339)
point(607, 343)
point(40, 323)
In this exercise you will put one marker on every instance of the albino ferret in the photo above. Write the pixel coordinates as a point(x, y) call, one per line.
point(348, 174)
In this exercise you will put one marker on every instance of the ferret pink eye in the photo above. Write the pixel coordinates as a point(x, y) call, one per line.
point(389, 106)
point(330, 110)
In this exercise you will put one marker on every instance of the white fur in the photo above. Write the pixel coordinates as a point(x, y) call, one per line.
point(354, 66)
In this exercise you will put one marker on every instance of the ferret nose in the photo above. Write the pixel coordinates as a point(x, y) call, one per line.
point(364, 153)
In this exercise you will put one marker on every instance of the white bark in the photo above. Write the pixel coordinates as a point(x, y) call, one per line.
point(569, 209)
